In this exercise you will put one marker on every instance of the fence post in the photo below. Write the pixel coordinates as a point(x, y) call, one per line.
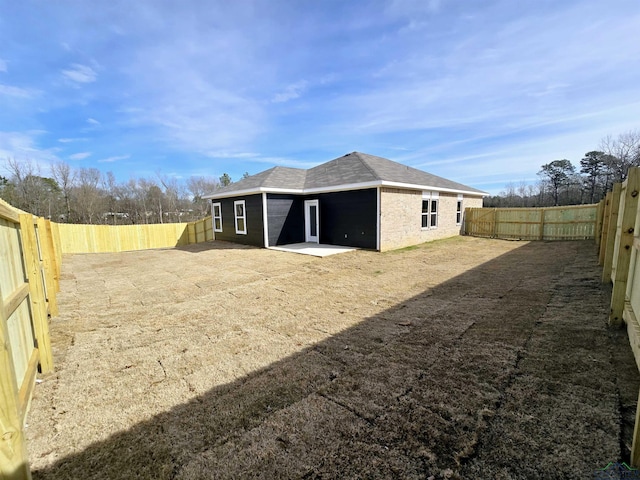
point(494, 228)
point(625, 244)
point(611, 233)
point(598, 228)
point(605, 227)
point(51, 246)
point(14, 464)
point(542, 212)
point(36, 292)
point(48, 262)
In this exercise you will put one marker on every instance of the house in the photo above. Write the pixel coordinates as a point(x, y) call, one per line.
point(357, 200)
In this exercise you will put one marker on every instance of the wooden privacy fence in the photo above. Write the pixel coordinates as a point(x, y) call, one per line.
point(29, 272)
point(108, 238)
point(31, 250)
point(619, 242)
point(553, 223)
point(200, 231)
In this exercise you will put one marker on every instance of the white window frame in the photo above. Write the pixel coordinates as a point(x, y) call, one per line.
point(432, 212)
point(215, 217)
point(459, 210)
point(243, 216)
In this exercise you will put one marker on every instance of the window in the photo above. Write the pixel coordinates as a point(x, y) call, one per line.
point(459, 211)
point(425, 213)
point(216, 214)
point(429, 210)
point(433, 223)
point(241, 217)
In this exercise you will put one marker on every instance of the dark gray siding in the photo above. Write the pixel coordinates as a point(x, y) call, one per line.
point(286, 219)
point(255, 232)
point(349, 218)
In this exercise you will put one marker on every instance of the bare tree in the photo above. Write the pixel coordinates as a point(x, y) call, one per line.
point(89, 197)
point(31, 191)
point(622, 152)
point(64, 177)
point(198, 187)
point(173, 192)
point(522, 193)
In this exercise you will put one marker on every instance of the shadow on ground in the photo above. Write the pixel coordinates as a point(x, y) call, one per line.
point(506, 371)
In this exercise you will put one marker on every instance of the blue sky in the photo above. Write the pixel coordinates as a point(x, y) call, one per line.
point(481, 92)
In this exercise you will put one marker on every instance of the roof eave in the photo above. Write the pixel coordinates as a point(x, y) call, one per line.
point(343, 187)
point(252, 191)
point(413, 186)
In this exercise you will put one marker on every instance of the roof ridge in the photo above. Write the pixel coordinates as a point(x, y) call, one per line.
point(364, 162)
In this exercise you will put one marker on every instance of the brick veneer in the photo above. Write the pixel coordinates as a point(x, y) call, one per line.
point(400, 217)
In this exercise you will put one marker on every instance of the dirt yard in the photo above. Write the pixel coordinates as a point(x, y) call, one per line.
point(463, 358)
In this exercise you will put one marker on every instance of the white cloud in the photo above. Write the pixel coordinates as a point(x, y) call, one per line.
point(71, 140)
point(228, 154)
point(192, 114)
point(114, 159)
point(23, 146)
point(80, 73)
point(93, 121)
point(3, 65)
point(286, 162)
point(10, 91)
point(80, 155)
point(290, 92)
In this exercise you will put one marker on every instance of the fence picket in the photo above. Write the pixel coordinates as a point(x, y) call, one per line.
point(551, 223)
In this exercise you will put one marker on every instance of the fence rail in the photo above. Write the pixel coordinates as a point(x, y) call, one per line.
point(554, 223)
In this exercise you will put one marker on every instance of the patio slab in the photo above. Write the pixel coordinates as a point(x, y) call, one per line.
point(315, 249)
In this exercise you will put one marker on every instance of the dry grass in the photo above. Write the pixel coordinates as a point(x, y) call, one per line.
point(465, 358)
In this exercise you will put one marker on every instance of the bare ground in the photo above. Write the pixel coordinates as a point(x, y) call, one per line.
point(464, 358)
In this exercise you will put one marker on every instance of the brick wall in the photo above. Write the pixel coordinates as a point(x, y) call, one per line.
point(401, 221)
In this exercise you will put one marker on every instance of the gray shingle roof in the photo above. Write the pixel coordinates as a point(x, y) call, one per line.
point(349, 170)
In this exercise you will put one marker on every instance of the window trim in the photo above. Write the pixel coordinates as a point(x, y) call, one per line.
point(243, 216)
point(459, 210)
point(432, 199)
point(433, 214)
point(214, 216)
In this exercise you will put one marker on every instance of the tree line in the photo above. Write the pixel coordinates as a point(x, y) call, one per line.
point(86, 195)
point(561, 183)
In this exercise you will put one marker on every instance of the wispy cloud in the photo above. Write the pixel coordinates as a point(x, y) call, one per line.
point(24, 146)
point(290, 92)
point(80, 73)
point(10, 91)
point(226, 154)
point(461, 89)
point(286, 162)
point(80, 155)
point(114, 159)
